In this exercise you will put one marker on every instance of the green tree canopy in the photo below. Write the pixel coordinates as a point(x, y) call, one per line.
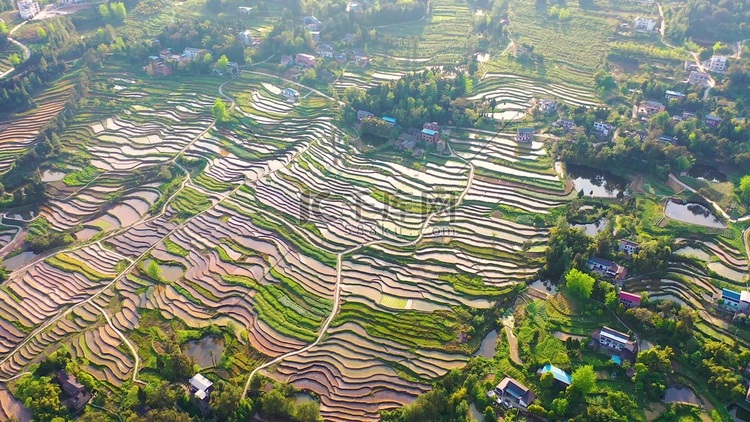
point(220, 110)
point(223, 63)
point(584, 379)
point(745, 189)
point(579, 283)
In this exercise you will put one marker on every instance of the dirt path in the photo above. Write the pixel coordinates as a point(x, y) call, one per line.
point(26, 51)
point(137, 363)
point(513, 345)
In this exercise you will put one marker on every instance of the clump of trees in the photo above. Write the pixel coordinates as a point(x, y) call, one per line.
point(42, 236)
point(580, 284)
point(114, 12)
point(431, 95)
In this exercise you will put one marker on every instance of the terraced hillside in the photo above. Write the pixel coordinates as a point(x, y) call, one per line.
point(319, 254)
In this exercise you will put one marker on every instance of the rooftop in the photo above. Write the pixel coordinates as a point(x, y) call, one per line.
point(730, 294)
point(389, 119)
point(614, 335)
point(630, 296)
point(200, 383)
point(426, 131)
point(558, 373)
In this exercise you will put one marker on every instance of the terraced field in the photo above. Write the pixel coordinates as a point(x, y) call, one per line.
point(696, 281)
point(440, 37)
point(343, 271)
point(17, 133)
point(514, 94)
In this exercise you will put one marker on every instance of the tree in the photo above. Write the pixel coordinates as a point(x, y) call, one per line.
point(275, 404)
point(222, 64)
point(307, 412)
point(104, 12)
point(584, 379)
point(579, 283)
point(41, 397)
point(745, 189)
point(489, 414)
point(118, 12)
point(220, 110)
point(225, 400)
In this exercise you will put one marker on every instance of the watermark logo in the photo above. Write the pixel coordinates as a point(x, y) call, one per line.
point(365, 213)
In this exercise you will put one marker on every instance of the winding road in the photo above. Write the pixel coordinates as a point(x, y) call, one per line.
point(26, 51)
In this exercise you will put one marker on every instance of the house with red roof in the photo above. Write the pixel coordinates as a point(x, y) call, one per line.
point(630, 300)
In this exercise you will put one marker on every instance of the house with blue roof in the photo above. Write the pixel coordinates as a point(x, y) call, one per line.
point(736, 301)
point(390, 120)
point(429, 135)
point(561, 377)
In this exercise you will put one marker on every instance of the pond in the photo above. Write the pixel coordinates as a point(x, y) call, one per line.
point(168, 272)
point(597, 183)
point(691, 252)
point(206, 351)
point(51, 176)
point(86, 233)
point(693, 213)
point(489, 343)
point(303, 397)
point(700, 171)
point(677, 394)
point(592, 229)
point(19, 260)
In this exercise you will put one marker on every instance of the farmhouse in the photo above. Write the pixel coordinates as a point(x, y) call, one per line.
point(312, 23)
point(28, 8)
point(561, 377)
point(200, 387)
point(390, 120)
point(525, 134)
point(429, 135)
point(717, 64)
point(192, 53)
point(644, 24)
point(547, 106)
point(630, 300)
point(627, 246)
point(653, 107)
point(698, 78)
point(513, 390)
point(363, 114)
point(325, 50)
point(565, 123)
point(607, 268)
point(290, 93)
point(687, 115)
point(432, 126)
point(75, 395)
point(158, 67)
point(614, 343)
point(712, 120)
point(303, 59)
point(246, 37)
point(244, 10)
point(691, 66)
point(603, 128)
point(286, 60)
point(736, 301)
point(406, 141)
point(674, 95)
